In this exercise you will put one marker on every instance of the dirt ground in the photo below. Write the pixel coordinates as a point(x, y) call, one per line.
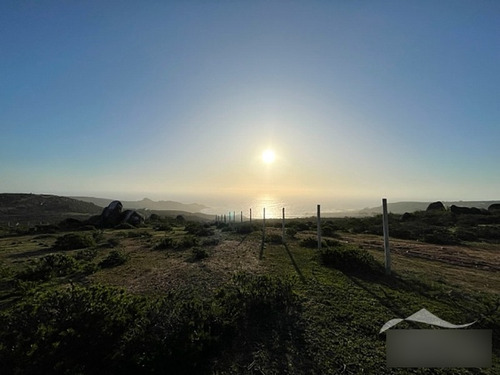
point(159, 271)
point(481, 256)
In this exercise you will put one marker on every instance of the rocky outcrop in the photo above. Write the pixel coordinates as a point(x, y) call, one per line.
point(112, 216)
point(436, 206)
point(465, 210)
point(494, 208)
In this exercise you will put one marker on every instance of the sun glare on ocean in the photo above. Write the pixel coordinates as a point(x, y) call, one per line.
point(268, 156)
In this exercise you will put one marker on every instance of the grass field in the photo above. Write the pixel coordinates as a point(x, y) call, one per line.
point(269, 308)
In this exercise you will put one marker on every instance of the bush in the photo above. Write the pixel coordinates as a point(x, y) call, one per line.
point(74, 241)
point(68, 331)
point(98, 329)
point(165, 243)
point(274, 238)
point(441, 237)
point(246, 228)
point(198, 229)
point(176, 244)
point(114, 259)
point(52, 265)
point(86, 255)
point(466, 234)
point(199, 253)
point(139, 234)
point(210, 242)
point(328, 229)
point(350, 259)
point(309, 242)
point(291, 232)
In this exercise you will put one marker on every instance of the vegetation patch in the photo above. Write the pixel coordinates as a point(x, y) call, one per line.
point(350, 259)
point(100, 329)
point(72, 241)
point(274, 238)
point(246, 228)
point(185, 242)
point(114, 259)
point(199, 253)
point(52, 265)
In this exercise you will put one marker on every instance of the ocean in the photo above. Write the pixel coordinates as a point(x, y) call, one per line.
point(273, 204)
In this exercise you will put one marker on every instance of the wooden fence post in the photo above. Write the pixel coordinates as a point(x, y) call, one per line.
point(263, 225)
point(250, 215)
point(283, 227)
point(386, 237)
point(319, 227)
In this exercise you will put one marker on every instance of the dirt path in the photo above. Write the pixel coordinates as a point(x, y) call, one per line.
point(478, 256)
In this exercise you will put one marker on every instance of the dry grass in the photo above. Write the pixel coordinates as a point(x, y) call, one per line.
point(474, 267)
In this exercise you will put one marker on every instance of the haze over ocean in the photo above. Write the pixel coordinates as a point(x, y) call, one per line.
point(332, 102)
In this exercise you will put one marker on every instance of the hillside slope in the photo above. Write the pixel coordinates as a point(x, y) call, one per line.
point(43, 208)
point(147, 204)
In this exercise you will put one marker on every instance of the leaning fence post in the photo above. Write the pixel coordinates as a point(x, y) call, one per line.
point(319, 227)
point(386, 238)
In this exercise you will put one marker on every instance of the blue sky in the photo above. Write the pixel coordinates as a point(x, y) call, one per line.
point(358, 99)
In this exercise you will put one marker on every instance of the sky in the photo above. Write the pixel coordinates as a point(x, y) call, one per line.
point(359, 100)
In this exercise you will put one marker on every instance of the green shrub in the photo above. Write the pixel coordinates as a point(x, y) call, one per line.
point(86, 255)
point(114, 259)
point(309, 242)
point(113, 242)
point(72, 241)
point(199, 253)
point(139, 234)
point(489, 232)
point(274, 238)
point(163, 227)
point(52, 265)
point(185, 242)
point(98, 329)
point(291, 232)
point(246, 228)
point(350, 259)
point(210, 242)
point(197, 229)
point(466, 234)
point(165, 243)
point(68, 331)
point(440, 236)
point(328, 229)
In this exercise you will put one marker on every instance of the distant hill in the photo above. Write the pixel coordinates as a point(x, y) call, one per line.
point(147, 204)
point(43, 208)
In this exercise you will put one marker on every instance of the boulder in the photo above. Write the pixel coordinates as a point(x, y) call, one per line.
point(494, 208)
point(407, 217)
point(465, 210)
point(132, 217)
point(436, 206)
point(112, 216)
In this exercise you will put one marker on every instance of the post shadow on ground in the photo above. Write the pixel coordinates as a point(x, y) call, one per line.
point(292, 259)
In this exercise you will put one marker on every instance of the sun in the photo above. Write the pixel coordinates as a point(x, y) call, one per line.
point(268, 156)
